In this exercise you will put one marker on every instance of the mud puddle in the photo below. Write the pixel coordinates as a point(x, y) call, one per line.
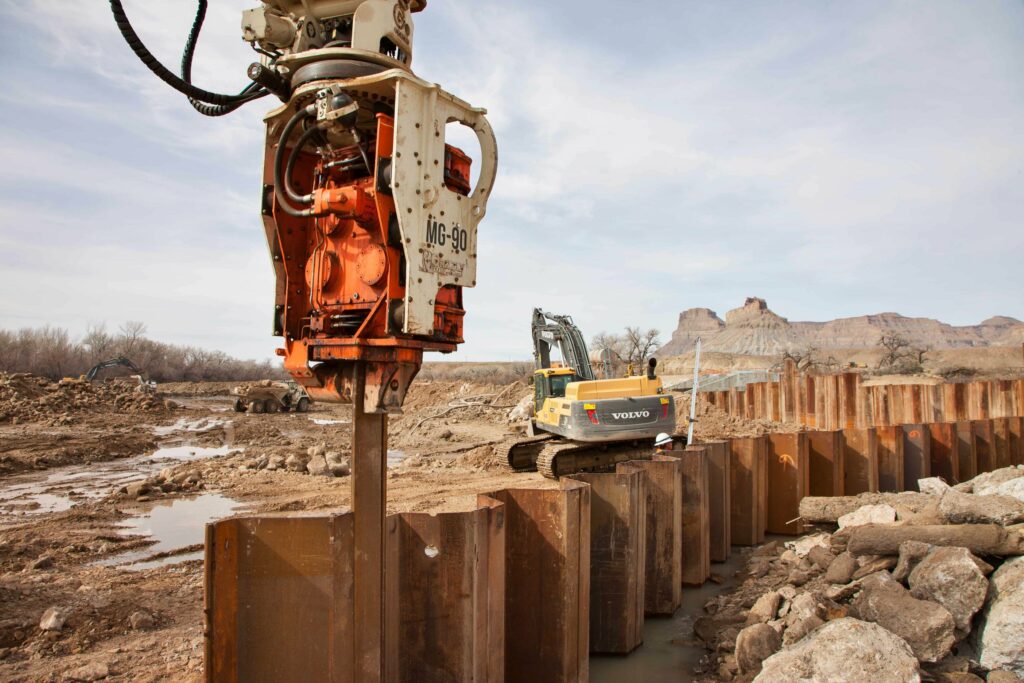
point(60, 489)
point(670, 650)
point(177, 526)
point(200, 425)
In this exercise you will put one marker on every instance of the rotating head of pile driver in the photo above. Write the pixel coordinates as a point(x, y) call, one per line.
point(370, 215)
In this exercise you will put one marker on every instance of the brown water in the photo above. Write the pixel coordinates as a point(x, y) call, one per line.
point(175, 525)
point(670, 650)
point(60, 489)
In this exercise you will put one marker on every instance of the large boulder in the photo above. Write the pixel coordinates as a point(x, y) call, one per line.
point(1000, 631)
point(989, 483)
point(951, 577)
point(843, 651)
point(927, 627)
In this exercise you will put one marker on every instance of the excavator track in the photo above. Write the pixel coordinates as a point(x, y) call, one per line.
point(520, 455)
point(565, 457)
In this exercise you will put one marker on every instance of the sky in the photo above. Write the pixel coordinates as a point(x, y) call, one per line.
point(836, 159)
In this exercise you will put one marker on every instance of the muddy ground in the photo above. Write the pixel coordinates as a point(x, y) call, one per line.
point(82, 532)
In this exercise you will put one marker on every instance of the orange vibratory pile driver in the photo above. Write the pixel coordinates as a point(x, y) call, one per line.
point(369, 214)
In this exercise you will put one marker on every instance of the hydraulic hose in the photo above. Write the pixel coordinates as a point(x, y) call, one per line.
point(154, 65)
point(186, 71)
point(306, 136)
point(281, 187)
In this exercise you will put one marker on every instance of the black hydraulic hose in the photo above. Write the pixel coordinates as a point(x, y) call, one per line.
point(290, 166)
point(186, 71)
point(279, 182)
point(154, 65)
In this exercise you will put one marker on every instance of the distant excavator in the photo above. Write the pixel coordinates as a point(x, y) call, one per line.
point(120, 361)
point(581, 423)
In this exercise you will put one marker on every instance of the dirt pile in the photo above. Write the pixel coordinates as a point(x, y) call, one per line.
point(928, 584)
point(28, 398)
point(714, 423)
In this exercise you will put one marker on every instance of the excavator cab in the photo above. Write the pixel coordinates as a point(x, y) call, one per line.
point(551, 383)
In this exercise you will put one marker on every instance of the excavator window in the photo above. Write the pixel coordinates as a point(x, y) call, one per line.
point(558, 384)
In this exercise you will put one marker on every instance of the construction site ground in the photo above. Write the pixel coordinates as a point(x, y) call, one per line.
point(121, 561)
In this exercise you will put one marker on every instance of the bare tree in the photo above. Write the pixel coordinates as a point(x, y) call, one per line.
point(640, 345)
point(900, 356)
point(131, 332)
point(98, 343)
point(612, 342)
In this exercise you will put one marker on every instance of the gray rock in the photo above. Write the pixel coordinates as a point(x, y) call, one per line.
point(141, 621)
point(136, 489)
point(933, 485)
point(868, 514)
point(765, 609)
point(93, 671)
point(798, 577)
point(1012, 489)
point(44, 562)
point(911, 552)
point(989, 483)
point(754, 644)
point(871, 565)
point(338, 463)
point(317, 466)
point(821, 557)
point(260, 463)
point(842, 568)
point(295, 464)
point(950, 577)
point(964, 508)
point(843, 651)
point(927, 627)
point(1000, 629)
point(53, 619)
point(801, 628)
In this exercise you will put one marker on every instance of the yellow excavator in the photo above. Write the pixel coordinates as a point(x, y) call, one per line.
point(581, 423)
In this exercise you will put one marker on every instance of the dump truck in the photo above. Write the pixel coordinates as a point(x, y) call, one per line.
point(581, 423)
point(270, 397)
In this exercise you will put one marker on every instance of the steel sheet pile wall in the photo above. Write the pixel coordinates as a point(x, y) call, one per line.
point(842, 401)
point(528, 584)
point(547, 582)
point(788, 470)
point(618, 537)
point(663, 564)
point(917, 447)
point(825, 460)
point(890, 458)
point(719, 457)
point(696, 517)
point(446, 615)
point(748, 491)
point(278, 599)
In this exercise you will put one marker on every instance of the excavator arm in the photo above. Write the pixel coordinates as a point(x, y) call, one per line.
point(550, 330)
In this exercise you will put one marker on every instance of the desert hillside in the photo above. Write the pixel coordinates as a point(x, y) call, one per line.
point(754, 329)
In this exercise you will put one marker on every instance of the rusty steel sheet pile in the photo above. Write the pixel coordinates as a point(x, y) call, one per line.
point(663, 566)
point(618, 537)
